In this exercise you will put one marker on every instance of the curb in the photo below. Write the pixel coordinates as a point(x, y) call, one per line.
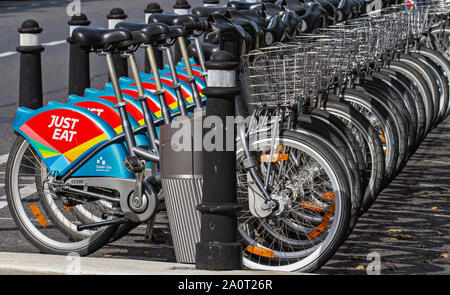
point(42, 264)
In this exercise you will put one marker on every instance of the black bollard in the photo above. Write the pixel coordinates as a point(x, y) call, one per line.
point(79, 66)
point(153, 8)
point(219, 248)
point(181, 7)
point(115, 16)
point(207, 3)
point(30, 89)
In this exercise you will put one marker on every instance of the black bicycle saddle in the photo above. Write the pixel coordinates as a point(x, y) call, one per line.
point(137, 38)
point(173, 33)
point(295, 5)
point(255, 31)
point(203, 12)
point(172, 19)
point(99, 38)
point(242, 5)
point(271, 9)
point(154, 30)
point(315, 17)
point(207, 48)
point(232, 37)
point(331, 10)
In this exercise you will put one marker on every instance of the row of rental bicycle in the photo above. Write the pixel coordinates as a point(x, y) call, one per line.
point(345, 90)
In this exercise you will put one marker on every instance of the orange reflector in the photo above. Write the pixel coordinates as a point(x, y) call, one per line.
point(383, 135)
point(311, 206)
point(325, 221)
point(68, 208)
point(261, 251)
point(275, 158)
point(328, 196)
point(37, 213)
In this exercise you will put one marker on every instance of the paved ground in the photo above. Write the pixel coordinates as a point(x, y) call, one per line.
point(409, 224)
point(18, 263)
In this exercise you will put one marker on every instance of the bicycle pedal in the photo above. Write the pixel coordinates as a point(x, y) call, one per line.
point(134, 165)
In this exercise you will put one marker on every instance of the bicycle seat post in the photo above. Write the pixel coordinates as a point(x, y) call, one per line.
point(127, 129)
point(143, 100)
point(201, 56)
point(176, 81)
point(159, 88)
point(191, 78)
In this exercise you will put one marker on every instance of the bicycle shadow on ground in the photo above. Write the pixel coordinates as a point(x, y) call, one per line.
point(136, 246)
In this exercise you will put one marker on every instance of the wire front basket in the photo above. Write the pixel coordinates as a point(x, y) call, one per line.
point(280, 75)
point(286, 74)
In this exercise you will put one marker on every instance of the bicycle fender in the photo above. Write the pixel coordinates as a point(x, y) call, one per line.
point(167, 80)
point(150, 87)
point(63, 135)
point(152, 100)
point(133, 108)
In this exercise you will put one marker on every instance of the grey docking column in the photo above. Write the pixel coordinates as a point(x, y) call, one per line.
point(219, 248)
point(115, 16)
point(79, 66)
point(30, 89)
point(153, 8)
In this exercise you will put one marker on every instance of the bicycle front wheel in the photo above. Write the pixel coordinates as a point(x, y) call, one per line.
point(48, 219)
point(313, 212)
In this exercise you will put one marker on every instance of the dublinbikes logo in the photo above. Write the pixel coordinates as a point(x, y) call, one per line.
point(74, 8)
point(102, 165)
point(211, 133)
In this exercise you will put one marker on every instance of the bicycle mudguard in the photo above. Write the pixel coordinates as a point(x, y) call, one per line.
point(183, 75)
point(196, 68)
point(63, 135)
point(133, 108)
point(131, 91)
point(105, 110)
point(167, 80)
point(150, 88)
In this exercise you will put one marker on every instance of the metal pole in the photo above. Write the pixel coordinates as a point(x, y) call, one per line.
point(79, 66)
point(219, 248)
point(181, 7)
point(115, 16)
point(30, 90)
point(153, 8)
